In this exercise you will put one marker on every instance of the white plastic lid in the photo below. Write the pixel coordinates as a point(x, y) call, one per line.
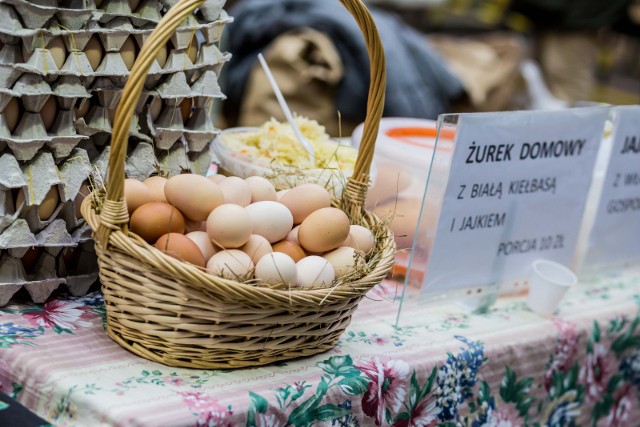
point(406, 141)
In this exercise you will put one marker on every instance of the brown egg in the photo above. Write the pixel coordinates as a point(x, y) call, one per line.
point(83, 109)
point(94, 51)
point(152, 220)
point(58, 51)
point(193, 50)
point(155, 108)
point(49, 112)
point(286, 247)
point(185, 109)
point(30, 258)
point(162, 55)
point(128, 51)
point(181, 247)
point(195, 195)
point(12, 114)
point(19, 198)
point(156, 184)
point(324, 230)
point(133, 4)
point(217, 177)
point(49, 203)
point(256, 247)
point(84, 191)
point(136, 194)
point(201, 238)
point(304, 199)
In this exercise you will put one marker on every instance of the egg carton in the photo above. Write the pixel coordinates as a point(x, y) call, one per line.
point(18, 238)
point(37, 15)
point(31, 133)
point(178, 159)
point(150, 12)
point(199, 129)
point(47, 272)
point(40, 286)
point(141, 162)
point(31, 53)
point(100, 115)
point(166, 120)
point(11, 183)
point(81, 271)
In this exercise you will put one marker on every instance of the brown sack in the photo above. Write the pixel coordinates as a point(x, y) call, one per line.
point(307, 67)
point(488, 67)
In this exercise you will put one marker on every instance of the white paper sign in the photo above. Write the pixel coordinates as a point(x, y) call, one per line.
point(615, 236)
point(516, 192)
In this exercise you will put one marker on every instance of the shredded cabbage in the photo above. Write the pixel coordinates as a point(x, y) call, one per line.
point(276, 140)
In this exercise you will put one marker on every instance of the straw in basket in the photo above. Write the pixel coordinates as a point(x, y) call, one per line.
point(177, 314)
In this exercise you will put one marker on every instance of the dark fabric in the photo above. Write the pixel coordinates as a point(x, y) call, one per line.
point(418, 82)
point(13, 414)
point(572, 14)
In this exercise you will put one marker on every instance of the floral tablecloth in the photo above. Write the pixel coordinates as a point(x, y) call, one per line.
point(441, 366)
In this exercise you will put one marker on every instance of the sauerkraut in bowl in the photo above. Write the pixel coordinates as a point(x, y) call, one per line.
point(274, 152)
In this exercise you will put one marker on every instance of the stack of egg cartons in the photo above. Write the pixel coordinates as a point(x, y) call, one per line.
point(63, 65)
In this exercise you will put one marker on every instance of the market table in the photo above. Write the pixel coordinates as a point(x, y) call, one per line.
point(441, 365)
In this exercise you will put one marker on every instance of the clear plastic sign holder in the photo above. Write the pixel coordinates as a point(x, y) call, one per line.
point(609, 243)
point(587, 123)
point(477, 298)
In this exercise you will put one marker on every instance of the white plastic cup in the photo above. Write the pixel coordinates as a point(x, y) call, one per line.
point(550, 281)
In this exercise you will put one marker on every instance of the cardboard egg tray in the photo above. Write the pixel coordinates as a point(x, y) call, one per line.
point(31, 93)
point(76, 13)
point(54, 138)
point(24, 233)
point(42, 269)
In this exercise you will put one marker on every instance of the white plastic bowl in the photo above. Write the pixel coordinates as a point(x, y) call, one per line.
point(281, 176)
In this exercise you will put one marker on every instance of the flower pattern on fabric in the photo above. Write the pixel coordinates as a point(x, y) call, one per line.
point(386, 389)
point(208, 411)
point(566, 350)
point(12, 335)
point(60, 316)
point(457, 377)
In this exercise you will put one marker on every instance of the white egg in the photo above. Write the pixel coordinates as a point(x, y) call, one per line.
point(361, 239)
point(232, 264)
point(314, 272)
point(342, 260)
point(261, 189)
point(293, 235)
point(201, 238)
point(271, 220)
point(276, 268)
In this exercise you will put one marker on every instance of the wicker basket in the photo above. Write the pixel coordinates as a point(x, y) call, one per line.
point(177, 314)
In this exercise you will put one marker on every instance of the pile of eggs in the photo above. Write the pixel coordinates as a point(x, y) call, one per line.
point(242, 229)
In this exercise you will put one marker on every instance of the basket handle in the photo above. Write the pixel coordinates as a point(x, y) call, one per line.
point(114, 215)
